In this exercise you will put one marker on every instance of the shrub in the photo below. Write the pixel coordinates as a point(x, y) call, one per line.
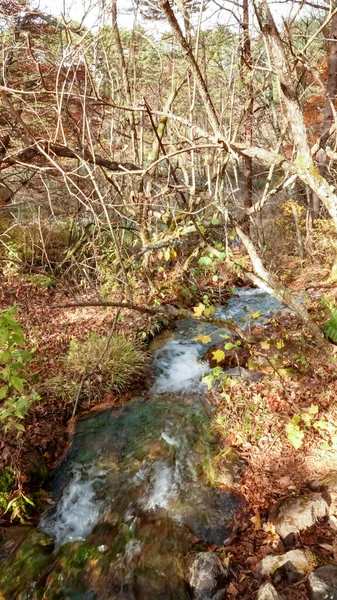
point(121, 364)
point(16, 396)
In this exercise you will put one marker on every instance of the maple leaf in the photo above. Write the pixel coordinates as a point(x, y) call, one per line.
point(265, 345)
point(198, 310)
point(210, 310)
point(218, 355)
point(203, 338)
point(255, 315)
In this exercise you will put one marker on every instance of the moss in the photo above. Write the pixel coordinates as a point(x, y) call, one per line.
point(7, 480)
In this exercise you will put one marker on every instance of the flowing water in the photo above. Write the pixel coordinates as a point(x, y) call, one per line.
point(137, 490)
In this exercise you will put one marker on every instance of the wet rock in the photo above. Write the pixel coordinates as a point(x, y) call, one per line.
point(268, 592)
point(206, 576)
point(295, 513)
point(322, 583)
point(301, 562)
point(244, 374)
point(234, 357)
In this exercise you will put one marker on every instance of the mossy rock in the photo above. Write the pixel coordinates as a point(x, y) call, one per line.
point(26, 558)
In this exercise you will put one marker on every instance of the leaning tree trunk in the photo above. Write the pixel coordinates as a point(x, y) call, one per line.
point(304, 164)
point(329, 111)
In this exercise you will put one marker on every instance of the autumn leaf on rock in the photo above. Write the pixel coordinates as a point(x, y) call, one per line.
point(198, 310)
point(218, 355)
point(205, 339)
point(255, 315)
point(210, 310)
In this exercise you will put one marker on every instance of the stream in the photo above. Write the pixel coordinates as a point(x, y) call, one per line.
point(141, 486)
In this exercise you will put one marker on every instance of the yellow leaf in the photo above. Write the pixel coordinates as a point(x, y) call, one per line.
point(313, 409)
point(198, 310)
point(218, 355)
point(203, 338)
point(225, 336)
point(280, 344)
point(256, 520)
point(173, 254)
point(265, 345)
point(209, 311)
point(255, 315)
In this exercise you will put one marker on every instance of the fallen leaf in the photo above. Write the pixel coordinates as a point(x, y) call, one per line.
point(255, 315)
point(203, 338)
point(256, 520)
point(265, 345)
point(218, 355)
point(210, 310)
point(198, 310)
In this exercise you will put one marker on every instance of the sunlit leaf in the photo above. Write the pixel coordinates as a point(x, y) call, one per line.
point(295, 435)
point(210, 310)
point(280, 344)
point(205, 339)
point(313, 409)
point(198, 310)
point(218, 355)
point(255, 315)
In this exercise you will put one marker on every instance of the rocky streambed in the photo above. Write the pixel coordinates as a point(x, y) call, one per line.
point(147, 494)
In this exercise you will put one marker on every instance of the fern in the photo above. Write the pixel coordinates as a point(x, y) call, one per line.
point(330, 328)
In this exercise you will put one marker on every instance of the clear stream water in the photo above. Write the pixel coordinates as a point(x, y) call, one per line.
point(137, 490)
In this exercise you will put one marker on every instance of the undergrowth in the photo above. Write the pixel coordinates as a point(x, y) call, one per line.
point(119, 364)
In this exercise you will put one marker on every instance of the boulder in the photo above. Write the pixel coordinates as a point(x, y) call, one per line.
point(322, 583)
point(293, 514)
point(206, 576)
point(295, 564)
point(268, 592)
point(329, 484)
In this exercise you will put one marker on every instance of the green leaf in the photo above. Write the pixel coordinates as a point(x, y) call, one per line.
point(5, 357)
point(19, 426)
point(3, 392)
point(17, 382)
point(229, 346)
point(205, 260)
point(295, 435)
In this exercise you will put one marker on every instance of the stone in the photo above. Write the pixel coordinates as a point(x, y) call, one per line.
point(329, 484)
point(302, 561)
point(206, 576)
point(292, 514)
point(322, 583)
point(268, 592)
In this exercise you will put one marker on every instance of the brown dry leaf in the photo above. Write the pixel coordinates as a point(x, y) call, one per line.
point(256, 520)
point(232, 591)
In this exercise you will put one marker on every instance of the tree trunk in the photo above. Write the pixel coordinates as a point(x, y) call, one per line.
point(271, 284)
point(304, 164)
point(246, 74)
point(329, 112)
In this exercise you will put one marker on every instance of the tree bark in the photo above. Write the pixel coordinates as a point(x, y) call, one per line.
point(329, 112)
point(246, 68)
point(304, 164)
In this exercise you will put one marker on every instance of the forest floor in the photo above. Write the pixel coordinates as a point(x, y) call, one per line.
point(299, 388)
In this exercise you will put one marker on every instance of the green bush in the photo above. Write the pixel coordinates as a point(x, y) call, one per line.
point(16, 396)
point(123, 363)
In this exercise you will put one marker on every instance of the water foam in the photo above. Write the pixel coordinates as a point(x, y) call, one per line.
point(178, 367)
point(76, 513)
